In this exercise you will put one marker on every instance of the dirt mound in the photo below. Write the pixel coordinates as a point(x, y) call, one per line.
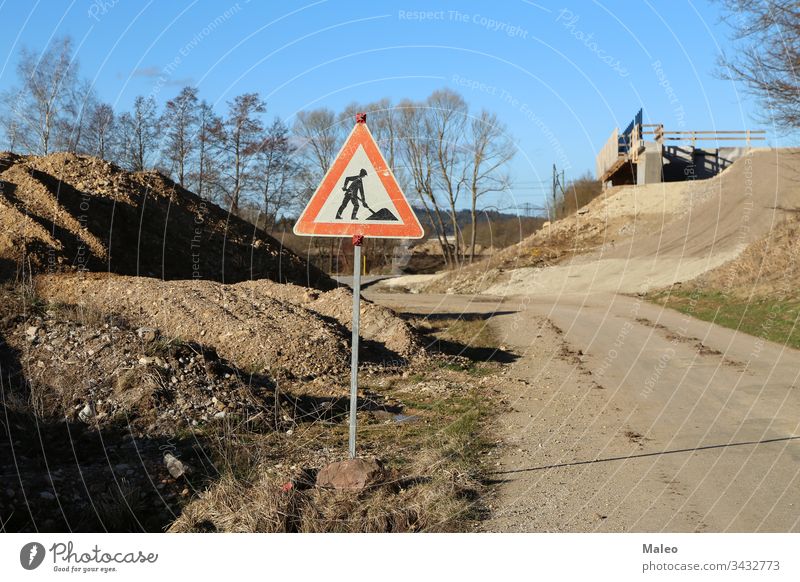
point(97, 369)
point(379, 325)
point(634, 238)
point(260, 326)
point(259, 334)
point(63, 211)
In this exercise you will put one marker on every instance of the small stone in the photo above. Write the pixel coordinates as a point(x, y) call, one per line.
point(147, 334)
point(47, 496)
point(31, 332)
point(175, 466)
point(220, 414)
point(87, 413)
point(144, 360)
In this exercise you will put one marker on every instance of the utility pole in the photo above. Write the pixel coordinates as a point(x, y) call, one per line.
point(558, 184)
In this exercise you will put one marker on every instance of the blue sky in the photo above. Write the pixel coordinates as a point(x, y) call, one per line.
point(561, 75)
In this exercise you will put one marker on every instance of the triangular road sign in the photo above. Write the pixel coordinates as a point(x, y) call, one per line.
point(359, 196)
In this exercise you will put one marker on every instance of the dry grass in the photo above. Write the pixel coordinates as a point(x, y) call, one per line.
point(757, 293)
point(431, 495)
point(578, 194)
point(767, 267)
point(432, 485)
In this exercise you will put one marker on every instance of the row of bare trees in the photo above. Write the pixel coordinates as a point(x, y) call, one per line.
point(234, 158)
point(446, 156)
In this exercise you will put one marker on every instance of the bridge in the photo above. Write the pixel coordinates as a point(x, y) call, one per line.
point(647, 153)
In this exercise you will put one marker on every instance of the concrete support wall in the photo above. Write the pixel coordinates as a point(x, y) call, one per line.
point(649, 166)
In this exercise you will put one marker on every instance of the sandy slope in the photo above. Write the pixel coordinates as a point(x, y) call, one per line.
point(634, 238)
point(672, 232)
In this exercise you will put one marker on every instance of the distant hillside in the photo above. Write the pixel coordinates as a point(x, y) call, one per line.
point(65, 212)
point(463, 218)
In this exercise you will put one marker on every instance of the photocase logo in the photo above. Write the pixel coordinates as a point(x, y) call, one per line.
point(31, 555)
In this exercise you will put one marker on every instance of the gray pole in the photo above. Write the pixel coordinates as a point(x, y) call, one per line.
point(555, 178)
point(354, 356)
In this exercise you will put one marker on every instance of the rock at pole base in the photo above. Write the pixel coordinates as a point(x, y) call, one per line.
point(351, 475)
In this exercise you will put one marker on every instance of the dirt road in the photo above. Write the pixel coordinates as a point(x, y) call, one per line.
point(629, 417)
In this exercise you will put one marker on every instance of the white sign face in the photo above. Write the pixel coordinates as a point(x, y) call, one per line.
point(359, 195)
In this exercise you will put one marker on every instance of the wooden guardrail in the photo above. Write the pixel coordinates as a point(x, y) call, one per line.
point(746, 135)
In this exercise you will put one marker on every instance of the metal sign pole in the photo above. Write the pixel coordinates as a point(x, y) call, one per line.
point(357, 240)
point(393, 218)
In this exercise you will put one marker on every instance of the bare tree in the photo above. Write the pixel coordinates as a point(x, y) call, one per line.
point(12, 123)
point(178, 122)
point(490, 149)
point(205, 174)
point(99, 130)
point(768, 57)
point(122, 139)
point(382, 122)
point(382, 118)
point(237, 139)
point(277, 171)
point(417, 153)
point(320, 132)
point(70, 134)
point(445, 122)
point(320, 135)
point(138, 134)
point(48, 82)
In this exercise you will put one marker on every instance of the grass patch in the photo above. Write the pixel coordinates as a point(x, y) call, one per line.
point(767, 318)
point(471, 367)
point(433, 463)
point(469, 331)
point(470, 339)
